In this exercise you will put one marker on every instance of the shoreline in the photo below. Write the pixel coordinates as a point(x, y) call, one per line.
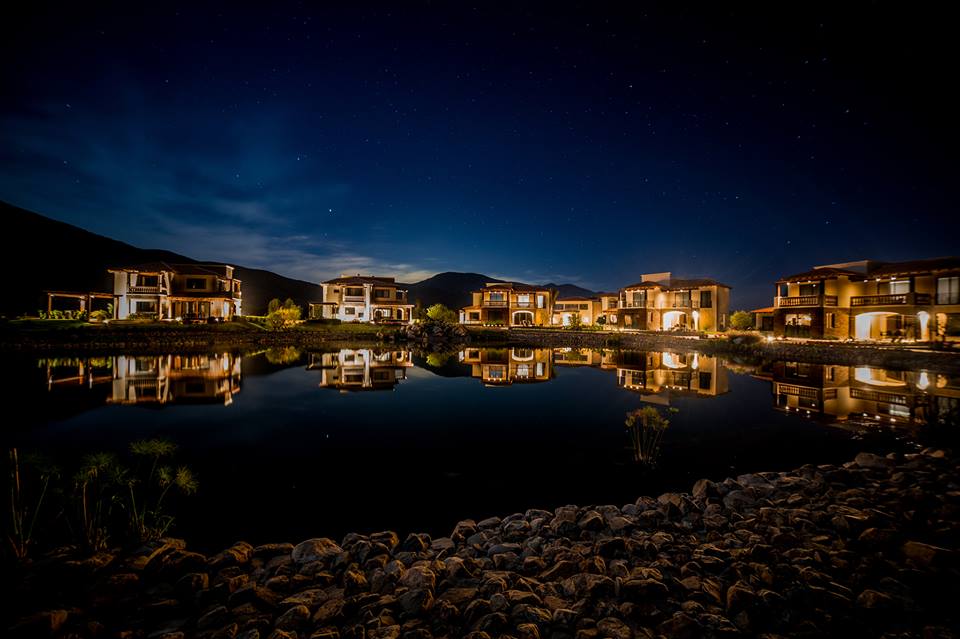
point(855, 549)
point(230, 337)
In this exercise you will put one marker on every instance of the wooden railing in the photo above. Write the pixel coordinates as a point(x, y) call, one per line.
point(496, 303)
point(807, 300)
point(879, 396)
point(145, 289)
point(893, 299)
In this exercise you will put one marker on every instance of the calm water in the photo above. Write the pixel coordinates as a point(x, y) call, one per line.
point(290, 444)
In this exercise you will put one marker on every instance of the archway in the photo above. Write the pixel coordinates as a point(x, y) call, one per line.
point(522, 318)
point(923, 318)
point(674, 319)
point(873, 326)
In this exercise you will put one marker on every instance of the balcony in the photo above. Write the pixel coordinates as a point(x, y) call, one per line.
point(631, 304)
point(806, 300)
point(895, 299)
point(152, 290)
point(495, 303)
point(354, 298)
point(527, 304)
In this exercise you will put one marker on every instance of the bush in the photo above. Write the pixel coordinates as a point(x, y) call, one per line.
point(440, 313)
point(741, 321)
point(283, 317)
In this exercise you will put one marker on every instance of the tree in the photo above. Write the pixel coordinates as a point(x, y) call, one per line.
point(274, 305)
point(741, 320)
point(576, 322)
point(288, 303)
point(440, 313)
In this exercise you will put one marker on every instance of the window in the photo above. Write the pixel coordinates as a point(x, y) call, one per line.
point(584, 307)
point(354, 291)
point(381, 293)
point(349, 310)
point(146, 307)
point(399, 295)
point(705, 378)
point(831, 320)
point(196, 284)
point(948, 290)
point(147, 280)
point(611, 303)
point(812, 288)
point(474, 316)
point(523, 300)
point(706, 299)
point(639, 298)
point(681, 299)
point(541, 301)
point(783, 290)
point(831, 373)
point(496, 297)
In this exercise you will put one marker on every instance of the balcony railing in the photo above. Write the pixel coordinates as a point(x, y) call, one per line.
point(145, 289)
point(807, 300)
point(526, 304)
point(632, 304)
point(495, 303)
point(354, 298)
point(890, 300)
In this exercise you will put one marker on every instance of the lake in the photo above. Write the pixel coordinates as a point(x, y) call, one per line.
point(289, 444)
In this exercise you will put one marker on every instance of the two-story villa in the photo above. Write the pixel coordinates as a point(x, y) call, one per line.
point(163, 291)
point(659, 302)
point(871, 300)
point(510, 304)
point(363, 298)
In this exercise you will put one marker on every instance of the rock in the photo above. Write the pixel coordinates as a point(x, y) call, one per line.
point(419, 577)
point(293, 618)
point(614, 628)
point(874, 600)
point(319, 549)
point(41, 624)
point(640, 590)
point(705, 489)
point(416, 601)
point(739, 597)
point(680, 626)
point(924, 554)
point(586, 585)
point(592, 520)
point(869, 460)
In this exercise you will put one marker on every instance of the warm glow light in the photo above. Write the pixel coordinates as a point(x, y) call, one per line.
point(924, 381)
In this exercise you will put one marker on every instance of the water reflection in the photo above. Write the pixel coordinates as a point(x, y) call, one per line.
point(361, 369)
point(151, 379)
point(505, 366)
point(856, 395)
point(865, 395)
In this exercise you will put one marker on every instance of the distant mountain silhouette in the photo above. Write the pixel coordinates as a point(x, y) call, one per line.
point(453, 289)
point(44, 254)
point(571, 290)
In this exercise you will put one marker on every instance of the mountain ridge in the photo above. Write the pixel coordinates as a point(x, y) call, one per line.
point(48, 254)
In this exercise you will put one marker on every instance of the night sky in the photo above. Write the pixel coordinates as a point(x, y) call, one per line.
point(583, 143)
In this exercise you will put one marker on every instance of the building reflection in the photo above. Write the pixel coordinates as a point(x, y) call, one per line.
point(361, 369)
point(660, 376)
point(175, 379)
point(505, 366)
point(864, 394)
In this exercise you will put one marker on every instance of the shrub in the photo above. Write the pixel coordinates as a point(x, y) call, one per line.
point(440, 313)
point(741, 320)
point(283, 317)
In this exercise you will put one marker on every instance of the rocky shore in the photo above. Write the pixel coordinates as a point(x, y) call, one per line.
point(866, 549)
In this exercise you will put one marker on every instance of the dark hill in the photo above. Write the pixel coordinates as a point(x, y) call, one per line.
point(44, 254)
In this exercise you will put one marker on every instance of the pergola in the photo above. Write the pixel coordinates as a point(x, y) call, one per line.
point(86, 299)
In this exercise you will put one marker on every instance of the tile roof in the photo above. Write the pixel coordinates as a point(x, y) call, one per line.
point(825, 273)
point(220, 270)
point(765, 309)
point(363, 279)
point(514, 286)
point(695, 283)
point(561, 300)
point(916, 266)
